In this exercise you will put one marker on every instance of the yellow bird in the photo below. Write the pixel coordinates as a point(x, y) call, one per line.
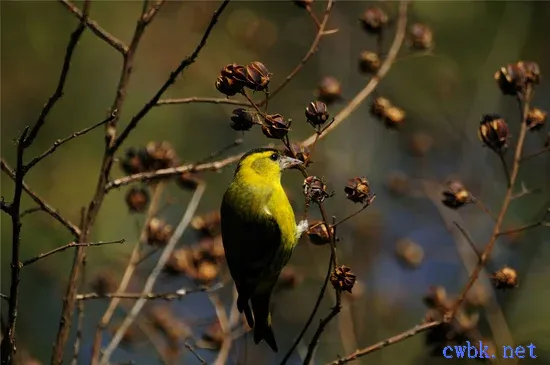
point(259, 234)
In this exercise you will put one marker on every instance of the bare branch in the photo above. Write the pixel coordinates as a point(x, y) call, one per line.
point(102, 34)
point(468, 239)
point(60, 142)
point(535, 154)
point(75, 231)
point(67, 246)
point(151, 280)
point(387, 342)
point(526, 227)
point(178, 294)
point(5, 297)
point(195, 99)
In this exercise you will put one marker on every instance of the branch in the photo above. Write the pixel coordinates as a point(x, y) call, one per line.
point(178, 294)
point(75, 231)
point(151, 280)
point(171, 79)
point(69, 245)
point(58, 93)
point(195, 99)
point(387, 342)
point(505, 204)
point(117, 44)
point(61, 142)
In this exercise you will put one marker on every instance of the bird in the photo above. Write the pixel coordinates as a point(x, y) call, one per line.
point(259, 234)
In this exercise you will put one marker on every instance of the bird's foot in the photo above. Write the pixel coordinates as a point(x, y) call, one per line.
point(301, 228)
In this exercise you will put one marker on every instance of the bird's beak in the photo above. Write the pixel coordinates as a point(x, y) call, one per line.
point(286, 162)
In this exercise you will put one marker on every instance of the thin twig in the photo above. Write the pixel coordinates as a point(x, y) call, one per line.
point(195, 99)
point(387, 342)
point(30, 211)
point(535, 154)
point(483, 208)
point(505, 167)
point(60, 142)
point(505, 204)
point(4, 296)
point(219, 152)
point(468, 239)
point(194, 352)
point(69, 245)
point(178, 294)
point(151, 280)
point(80, 306)
point(73, 229)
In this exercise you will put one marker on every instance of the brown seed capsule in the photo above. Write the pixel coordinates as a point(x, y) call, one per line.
point(137, 199)
point(207, 272)
point(161, 155)
point(188, 180)
point(420, 144)
point(103, 283)
point(536, 119)
point(275, 126)
point(300, 152)
point(421, 37)
point(342, 278)
point(158, 232)
point(369, 62)
point(235, 72)
point(208, 224)
point(211, 249)
point(515, 77)
point(135, 160)
point(358, 190)
point(179, 262)
point(289, 278)
point(455, 195)
point(317, 113)
point(257, 76)
point(318, 233)
point(379, 107)
point(394, 117)
point(242, 120)
point(329, 90)
point(409, 253)
point(373, 20)
point(315, 189)
point(436, 297)
point(493, 132)
point(303, 3)
point(505, 278)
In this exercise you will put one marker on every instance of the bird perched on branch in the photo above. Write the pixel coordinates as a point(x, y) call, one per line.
point(259, 234)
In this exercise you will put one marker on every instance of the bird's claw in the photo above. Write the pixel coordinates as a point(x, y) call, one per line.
point(301, 228)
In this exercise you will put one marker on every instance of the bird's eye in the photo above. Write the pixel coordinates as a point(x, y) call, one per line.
point(274, 157)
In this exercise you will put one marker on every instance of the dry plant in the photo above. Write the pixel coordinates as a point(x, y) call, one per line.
point(156, 165)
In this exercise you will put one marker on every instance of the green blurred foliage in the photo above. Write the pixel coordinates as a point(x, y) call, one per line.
point(443, 94)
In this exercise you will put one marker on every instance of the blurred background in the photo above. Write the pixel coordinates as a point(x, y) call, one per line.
point(444, 93)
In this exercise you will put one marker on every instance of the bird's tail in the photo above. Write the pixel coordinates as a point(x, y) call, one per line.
point(242, 306)
point(262, 317)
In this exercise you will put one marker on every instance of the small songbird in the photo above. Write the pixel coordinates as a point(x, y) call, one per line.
point(259, 234)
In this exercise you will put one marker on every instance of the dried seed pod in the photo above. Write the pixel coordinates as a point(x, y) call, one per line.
point(409, 253)
point(275, 126)
point(137, 199)
point(505, 278)
point(436, 297)
point(104, 283)
point(536, 119)
point(179, 262)
point(369, 62)
point(394, 117)
point(304, 4)
point(515, 77)
point(135, 160)
point(493, 132)
point(317, 113)
point(231, 80)
point(420, 144)
point(208, 224)
point(242, 120)
point(188, 180)
point(456, 195)
point(257, 76)
point(329, 90)
point(289, 278)
point(358, 190)
point(318, 233)
point(315, 189)
point(373, 20)
point(158, 232)
point(212, 249)
point(420, 37)
point(379, 107)
point(342, 278)
point(161, 155)
point(300, 152)
point(207, 272)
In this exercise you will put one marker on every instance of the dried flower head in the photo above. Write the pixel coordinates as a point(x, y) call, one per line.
point(373, 20)
point(299, 151)
point(158, 232)
point(380, 106)
point(342, 278)
point(505, 278)
point(188, 180)
point(137, 199)
point(257, 76)
point(161, 155)
point(207, 272)
point(409, 253)
point(232, 79)
point(135, 160)
point(515, 77)
point(420, 37)
point(211, 249)
point(317, 113)
point(318, 233)
point(421, 143)
point(289, 278)
point(315, 189)
point(304, 4)
point(394, 117)
point(329, 90)
point(242, 120)
point(179, 261)
point(275, 126)
point(369, 62)
point(358, 190)
point(493, 132)
point(104, 282)
point(536, 119)
point(455, 195)
point(208, 224)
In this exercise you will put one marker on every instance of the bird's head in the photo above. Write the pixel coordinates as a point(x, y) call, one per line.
point(266, 162)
